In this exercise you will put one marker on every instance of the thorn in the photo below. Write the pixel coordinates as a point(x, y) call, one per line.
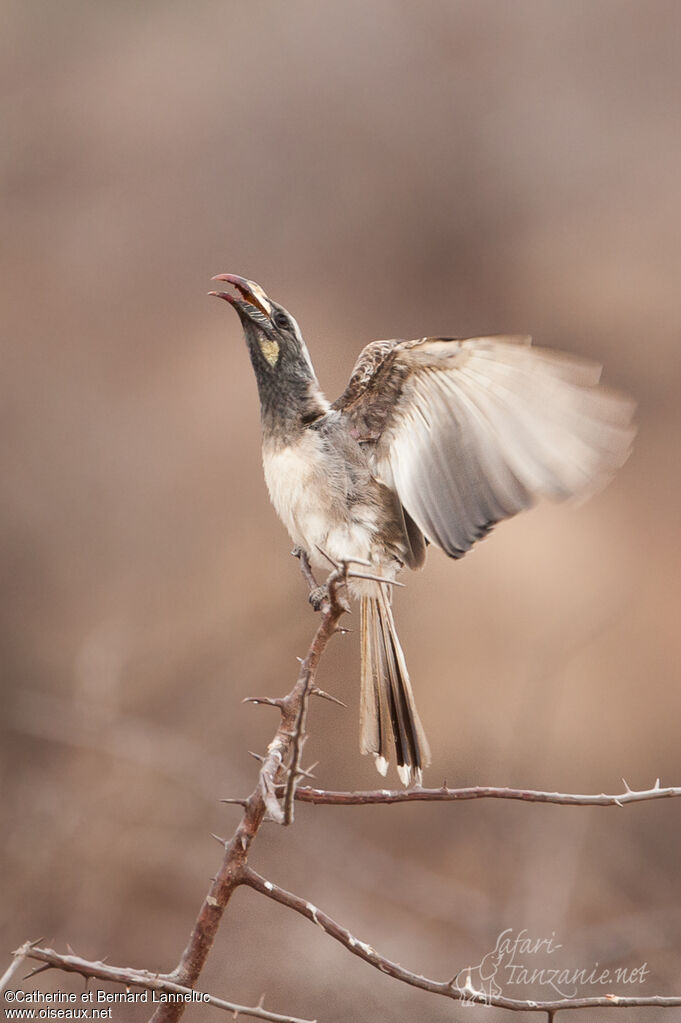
point(375, 578)
point(316, 691)
point(270, 701)
point(626, 785)
point(34, 944)
point(235, 800)
point(328, 557)
point(256, 756)
point(38, 969)
point(618, 801)
point(71, 952)
point(222, 841)
point(261, 1001)
point(657, 783)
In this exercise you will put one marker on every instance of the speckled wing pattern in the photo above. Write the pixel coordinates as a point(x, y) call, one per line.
point(471, 431)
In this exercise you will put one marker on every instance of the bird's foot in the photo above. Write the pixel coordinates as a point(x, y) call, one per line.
point(318, 597)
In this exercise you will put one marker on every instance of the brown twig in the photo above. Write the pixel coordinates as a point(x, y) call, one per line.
point(337, 579)
point(446, 988)
point(299, 736)
point(139, 978)
point(297, 742)
point(306, 794)
point(273, 798)
point(280, 763)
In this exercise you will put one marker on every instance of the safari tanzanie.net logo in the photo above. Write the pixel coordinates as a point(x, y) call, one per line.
point(520, 961)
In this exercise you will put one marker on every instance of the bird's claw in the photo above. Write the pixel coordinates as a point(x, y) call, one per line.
point(318, 597)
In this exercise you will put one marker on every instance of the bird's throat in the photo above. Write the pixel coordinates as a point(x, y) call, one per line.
point(290, 399)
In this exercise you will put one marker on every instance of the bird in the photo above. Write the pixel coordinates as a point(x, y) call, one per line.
point(433, 442)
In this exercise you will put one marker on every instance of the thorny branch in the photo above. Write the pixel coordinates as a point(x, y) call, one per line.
point(299, 736)
point(263, 800)
point(282, 761)
point(131, 978)
point(445, 795)
point(274, 796)
point(448, 988)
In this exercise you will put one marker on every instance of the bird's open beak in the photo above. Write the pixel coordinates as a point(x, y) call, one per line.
point(250, 292)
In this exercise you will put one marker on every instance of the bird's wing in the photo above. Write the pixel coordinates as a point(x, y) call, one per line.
point(471, 431)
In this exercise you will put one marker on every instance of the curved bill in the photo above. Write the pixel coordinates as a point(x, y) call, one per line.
point(248, 290)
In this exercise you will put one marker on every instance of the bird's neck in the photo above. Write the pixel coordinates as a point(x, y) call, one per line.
point(289, 402)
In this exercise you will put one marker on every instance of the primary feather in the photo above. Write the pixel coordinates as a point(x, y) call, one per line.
point(470, 432)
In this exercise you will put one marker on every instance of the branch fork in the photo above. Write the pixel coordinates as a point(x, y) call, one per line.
point(277, 789)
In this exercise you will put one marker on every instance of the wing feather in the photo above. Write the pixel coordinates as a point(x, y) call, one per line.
point(469, 432)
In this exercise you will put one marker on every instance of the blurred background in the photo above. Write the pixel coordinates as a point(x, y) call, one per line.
point(383, 169)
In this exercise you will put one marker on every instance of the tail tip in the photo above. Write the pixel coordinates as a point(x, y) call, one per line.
point(410, 775)
point(382, 765)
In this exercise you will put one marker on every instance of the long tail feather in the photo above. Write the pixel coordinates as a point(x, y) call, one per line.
point(388, 719)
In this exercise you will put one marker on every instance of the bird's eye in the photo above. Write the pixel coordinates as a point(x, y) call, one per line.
point(280, 319)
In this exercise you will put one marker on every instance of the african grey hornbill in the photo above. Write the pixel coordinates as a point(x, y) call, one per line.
point(432, 441)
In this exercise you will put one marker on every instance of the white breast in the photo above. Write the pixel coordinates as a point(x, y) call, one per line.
point(294, 477)
point(309, 495)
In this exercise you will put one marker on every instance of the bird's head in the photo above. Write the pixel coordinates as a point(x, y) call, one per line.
point(282, 365)
point(272, 334)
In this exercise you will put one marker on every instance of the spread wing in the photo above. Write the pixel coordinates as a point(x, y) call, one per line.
point(469, 432)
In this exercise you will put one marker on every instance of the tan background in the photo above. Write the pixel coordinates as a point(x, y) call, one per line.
point(384, 169)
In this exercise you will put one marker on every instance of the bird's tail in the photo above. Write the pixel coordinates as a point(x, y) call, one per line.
point(388, 715)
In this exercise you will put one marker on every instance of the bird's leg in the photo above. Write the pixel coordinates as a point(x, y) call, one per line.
point(305, 568)
point(318, 594)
